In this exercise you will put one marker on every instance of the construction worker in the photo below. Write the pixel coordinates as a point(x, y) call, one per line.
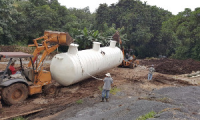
point(106, 87)
point(151, 70)
point(13, 69)
point(127, 56)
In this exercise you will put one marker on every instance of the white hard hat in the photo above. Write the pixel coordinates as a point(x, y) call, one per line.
point(108, 74)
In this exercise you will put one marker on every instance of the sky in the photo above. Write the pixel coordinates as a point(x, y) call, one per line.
point(173, 6)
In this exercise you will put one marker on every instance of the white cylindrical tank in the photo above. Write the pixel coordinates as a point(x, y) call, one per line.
point(74, 66)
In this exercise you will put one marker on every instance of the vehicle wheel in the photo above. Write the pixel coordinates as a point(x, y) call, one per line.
point(131, 65)
point(15, 93)
point(49, 89)
point(136, 65)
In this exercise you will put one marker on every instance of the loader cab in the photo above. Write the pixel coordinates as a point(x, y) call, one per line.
point(6, 76)
point(15, 88)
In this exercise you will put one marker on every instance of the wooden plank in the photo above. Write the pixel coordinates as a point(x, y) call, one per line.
point(22, 114)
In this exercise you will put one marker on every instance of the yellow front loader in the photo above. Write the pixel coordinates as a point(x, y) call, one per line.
point(33, 79)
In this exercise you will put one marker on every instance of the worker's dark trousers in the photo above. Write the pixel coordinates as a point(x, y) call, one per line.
point(105, 92)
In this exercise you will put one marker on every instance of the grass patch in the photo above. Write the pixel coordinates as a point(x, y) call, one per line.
point(19, 118)
point(100, 88)
point(113, 90)
point(79, 101)
point(147, 116)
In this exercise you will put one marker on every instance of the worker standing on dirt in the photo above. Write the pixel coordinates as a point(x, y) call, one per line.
point(127, 56)
point(151, 70)
point(106, 87)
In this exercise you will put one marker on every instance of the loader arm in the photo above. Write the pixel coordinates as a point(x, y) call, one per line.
point(50, 42)
point(37, 50)
point(57, 38)
point(45, 48)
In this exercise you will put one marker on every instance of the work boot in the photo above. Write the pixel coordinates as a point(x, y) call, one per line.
point(107, 100)
point(102, 99)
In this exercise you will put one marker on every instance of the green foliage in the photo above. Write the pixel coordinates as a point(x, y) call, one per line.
point(19, 118)
point(114, 90)
point(182, 33)
point(147, 116)
point(142, 25)
point(22, 21)
point(100, 88)
point(7, 15)
point(79, 101)
point(86, 37)
point(148, 30)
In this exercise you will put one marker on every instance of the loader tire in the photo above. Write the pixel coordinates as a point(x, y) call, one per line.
point(15, 93)
point(50, 89)
point(131, 65)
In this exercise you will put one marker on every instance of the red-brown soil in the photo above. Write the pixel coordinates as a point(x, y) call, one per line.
point(173, 66)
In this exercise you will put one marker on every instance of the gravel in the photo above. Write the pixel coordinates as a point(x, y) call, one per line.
point(184, 105)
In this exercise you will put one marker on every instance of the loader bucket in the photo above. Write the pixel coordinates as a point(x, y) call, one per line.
point(69, 39)
point(116, 36)
point(60, 38)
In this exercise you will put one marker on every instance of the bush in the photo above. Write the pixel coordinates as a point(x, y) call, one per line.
point(147, 116)
point(19, 118)
point(79, 101)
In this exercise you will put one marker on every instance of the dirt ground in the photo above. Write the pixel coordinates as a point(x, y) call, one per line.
point(172, 66)
point(132, 81)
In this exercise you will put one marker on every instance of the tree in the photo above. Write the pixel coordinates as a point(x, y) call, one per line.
point(102, 16)
point(6, 22)
point(185, 34)
point(142, 24)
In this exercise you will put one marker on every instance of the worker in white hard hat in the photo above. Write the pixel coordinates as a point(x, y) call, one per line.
point(151, 70)
point(106, 87)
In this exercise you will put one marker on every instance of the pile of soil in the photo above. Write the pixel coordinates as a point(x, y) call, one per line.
point(173, 66)
point(161, 79)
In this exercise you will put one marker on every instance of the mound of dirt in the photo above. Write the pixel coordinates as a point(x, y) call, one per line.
point(170, 81)
point(173, 66)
